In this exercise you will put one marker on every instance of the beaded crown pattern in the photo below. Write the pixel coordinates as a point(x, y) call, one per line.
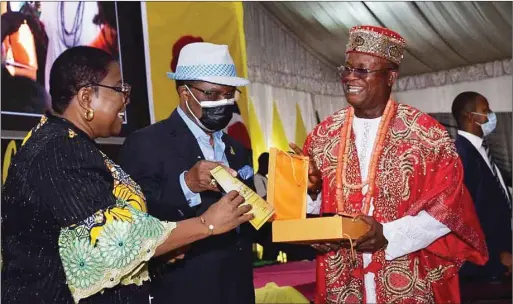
point(376, 41)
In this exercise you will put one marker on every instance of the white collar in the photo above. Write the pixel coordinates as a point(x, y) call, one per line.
point(476, 141)
point(371, 120)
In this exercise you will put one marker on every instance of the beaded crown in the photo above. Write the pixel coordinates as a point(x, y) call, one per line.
point(376, 41)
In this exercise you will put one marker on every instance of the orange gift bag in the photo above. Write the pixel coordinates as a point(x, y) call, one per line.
point(287, 184)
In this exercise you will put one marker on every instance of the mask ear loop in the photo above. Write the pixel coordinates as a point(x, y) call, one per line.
point(195, 99)
point(480, 114)
point(190, 111)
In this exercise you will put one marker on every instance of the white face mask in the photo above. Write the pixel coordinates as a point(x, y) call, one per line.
point(489, 126)
point(215, 115)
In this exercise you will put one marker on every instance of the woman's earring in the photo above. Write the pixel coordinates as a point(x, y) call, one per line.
point(89, 114)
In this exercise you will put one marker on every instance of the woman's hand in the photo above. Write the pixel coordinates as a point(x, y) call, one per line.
point(227, 213)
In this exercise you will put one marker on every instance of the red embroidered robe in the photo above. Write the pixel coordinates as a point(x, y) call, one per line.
point(418, 169)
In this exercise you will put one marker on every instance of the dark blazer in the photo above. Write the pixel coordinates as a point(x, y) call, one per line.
point(217, 269)
point(492, 209)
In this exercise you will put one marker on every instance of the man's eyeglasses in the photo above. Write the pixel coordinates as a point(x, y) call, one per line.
point(215, 95)
point(344, 71)
point(124, 89)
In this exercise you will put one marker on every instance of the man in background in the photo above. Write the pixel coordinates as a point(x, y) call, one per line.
point(261, 175)
point(486, 185)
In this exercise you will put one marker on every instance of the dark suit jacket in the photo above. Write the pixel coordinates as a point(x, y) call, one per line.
point(492, 209)
point(217, 269)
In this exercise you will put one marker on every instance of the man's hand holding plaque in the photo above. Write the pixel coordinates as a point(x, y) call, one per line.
point(199, 177)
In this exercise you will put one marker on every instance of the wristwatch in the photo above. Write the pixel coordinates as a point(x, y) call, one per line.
point(210, 227)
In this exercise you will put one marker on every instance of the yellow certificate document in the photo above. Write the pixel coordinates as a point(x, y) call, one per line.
point(261, 209)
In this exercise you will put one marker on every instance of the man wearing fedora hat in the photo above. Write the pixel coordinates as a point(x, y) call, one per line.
point(172, 159)
point(397, 169)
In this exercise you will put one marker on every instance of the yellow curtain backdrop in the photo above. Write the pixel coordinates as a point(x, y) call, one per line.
point(258, 143)
point(300, 128)
point(278, 135)
point(215, 22)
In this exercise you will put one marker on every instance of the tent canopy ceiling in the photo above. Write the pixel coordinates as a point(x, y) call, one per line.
point(439, 35)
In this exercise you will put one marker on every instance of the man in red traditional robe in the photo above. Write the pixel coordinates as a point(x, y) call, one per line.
point(397, 169)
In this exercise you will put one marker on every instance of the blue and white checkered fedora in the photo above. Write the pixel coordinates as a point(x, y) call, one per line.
point(207, 62)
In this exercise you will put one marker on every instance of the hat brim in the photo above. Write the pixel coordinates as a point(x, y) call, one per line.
point(223, 80)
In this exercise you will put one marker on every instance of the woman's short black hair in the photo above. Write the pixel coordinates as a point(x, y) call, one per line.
point(73, 69)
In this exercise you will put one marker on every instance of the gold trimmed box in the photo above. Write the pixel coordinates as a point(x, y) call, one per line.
point(318, 230)
point(287, 192)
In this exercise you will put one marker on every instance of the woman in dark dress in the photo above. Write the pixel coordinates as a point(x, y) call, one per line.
point(74, 225)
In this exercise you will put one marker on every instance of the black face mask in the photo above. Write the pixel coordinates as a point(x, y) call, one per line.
point(215, 115)
point(216, 118)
